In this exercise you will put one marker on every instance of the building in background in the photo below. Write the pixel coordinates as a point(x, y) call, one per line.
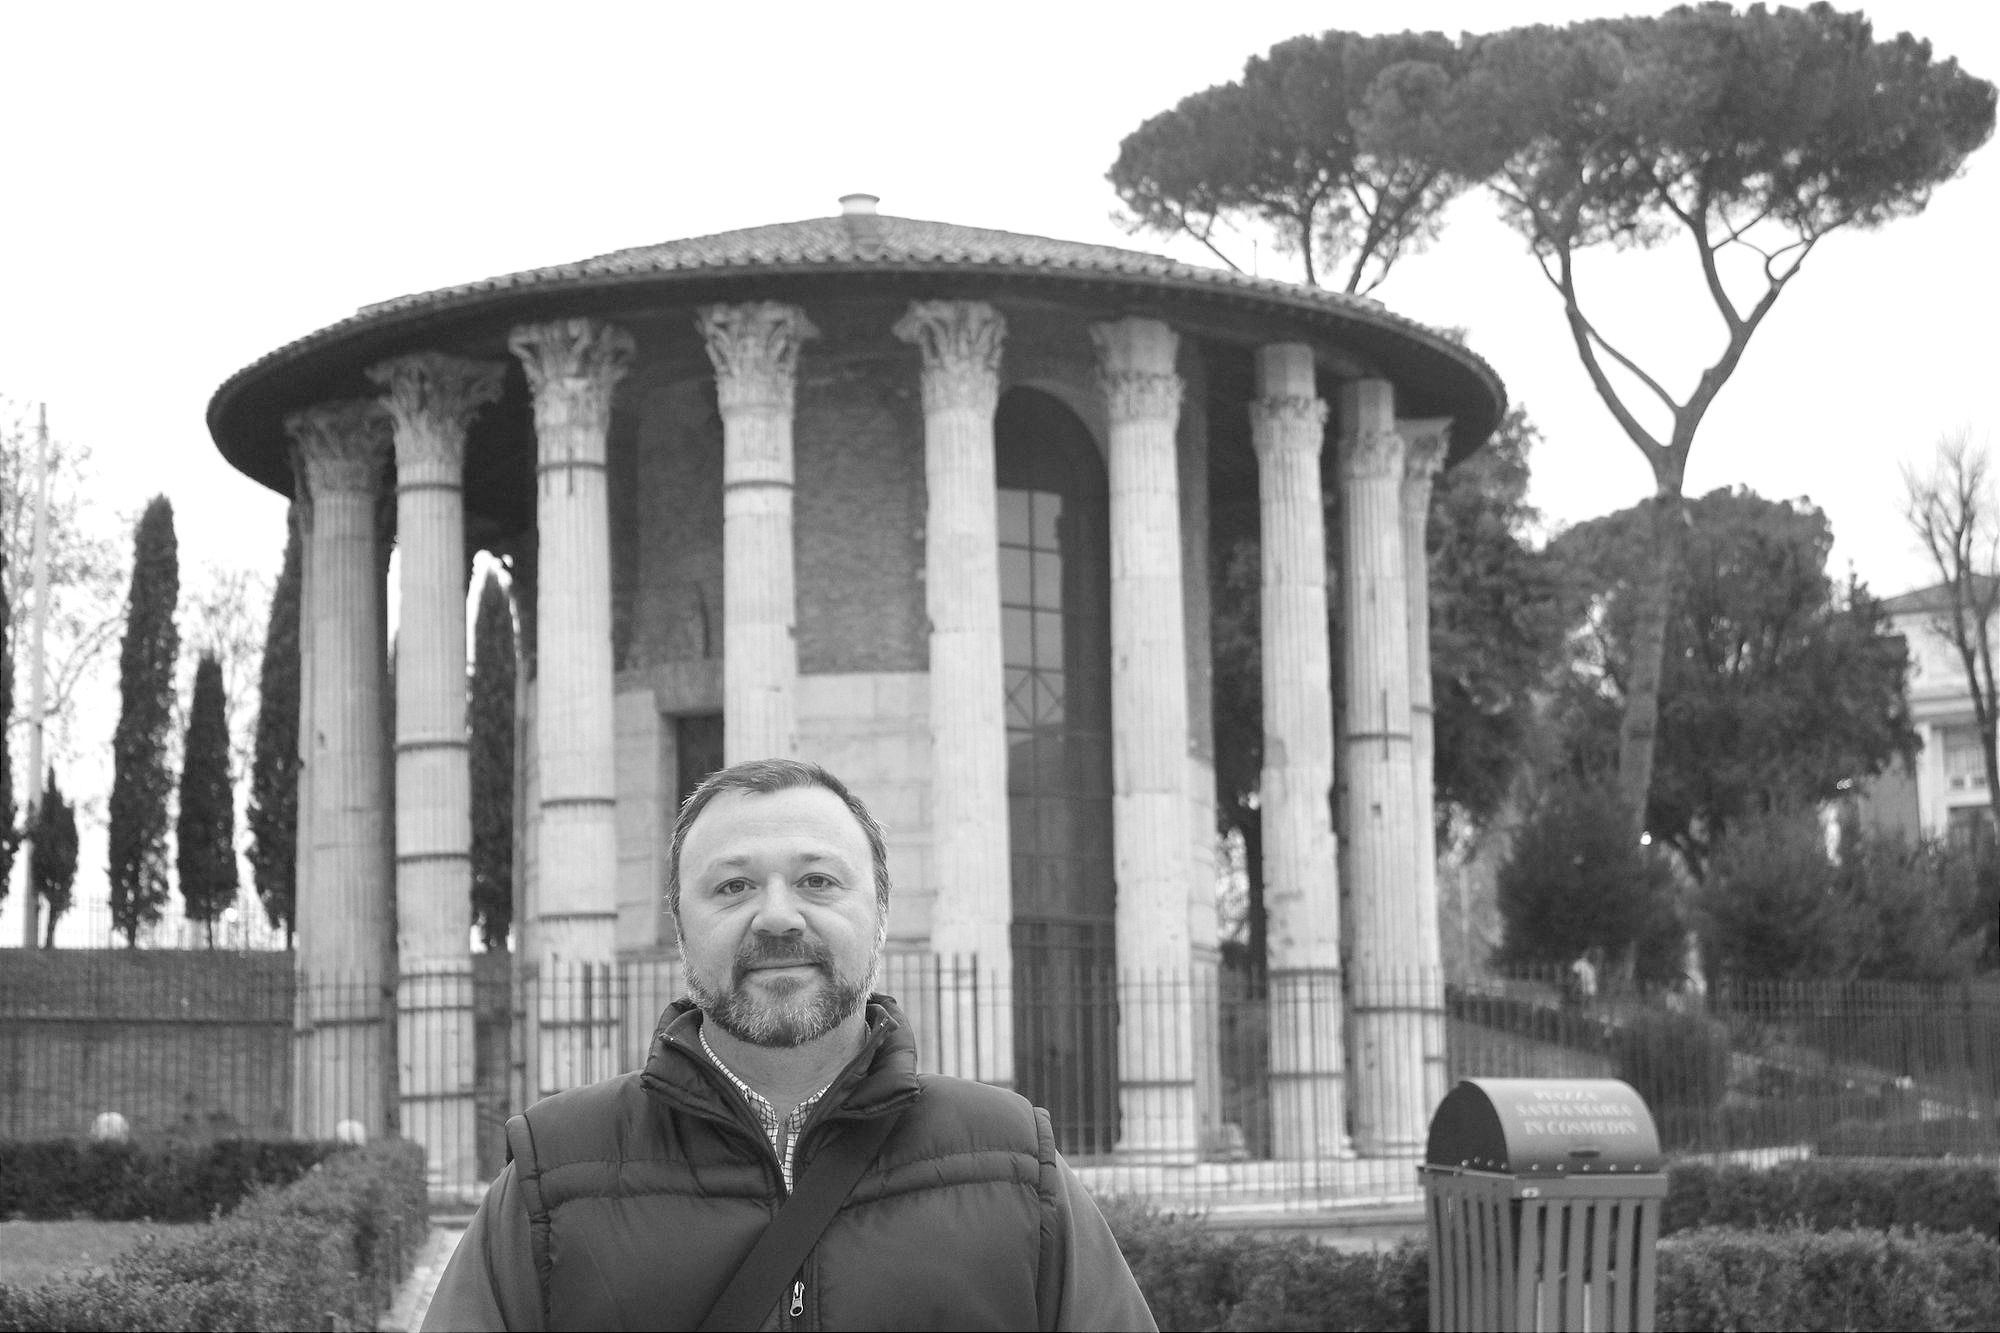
point(1942, 791)
point(931, 505)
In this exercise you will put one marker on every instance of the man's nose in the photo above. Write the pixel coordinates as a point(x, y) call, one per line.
point(778, 908)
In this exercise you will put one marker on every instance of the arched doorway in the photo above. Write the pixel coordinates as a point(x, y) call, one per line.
point(1055, 594)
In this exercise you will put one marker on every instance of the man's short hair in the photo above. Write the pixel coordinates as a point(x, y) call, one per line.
point(762, 777)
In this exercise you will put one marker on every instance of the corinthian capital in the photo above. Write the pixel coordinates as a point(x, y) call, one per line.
point(1135, 368)
point(431, 398)
point(960, 342)
point(1287, 423)
point(342, 446)
point(573, 365)
point(1425, 443)
point(1372, 455)
point(755, 350)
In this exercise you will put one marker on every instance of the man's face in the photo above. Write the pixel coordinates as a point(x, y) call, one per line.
point(778, 920)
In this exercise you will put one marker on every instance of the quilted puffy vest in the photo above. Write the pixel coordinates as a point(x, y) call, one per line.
point(646, 1191)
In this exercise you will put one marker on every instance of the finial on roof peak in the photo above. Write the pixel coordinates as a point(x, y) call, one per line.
point(859, 205)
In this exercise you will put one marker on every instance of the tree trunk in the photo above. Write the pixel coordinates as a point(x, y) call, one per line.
point(1653, 604)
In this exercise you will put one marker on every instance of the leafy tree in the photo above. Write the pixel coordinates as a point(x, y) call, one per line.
point(1238, 689)
point(1770, 907)
point(1294, 146)
point(222, 619)
point(273, 815)
point(1576, 881)
point(86, 577)
point(1916, 906)
point(1778, 688)
point(1496, 626)
point(53, 862)
point(206, 834)
point(491, 724)
point(1750, 137)
point(141, 783)
point(1951, 510)
point(1778, 905)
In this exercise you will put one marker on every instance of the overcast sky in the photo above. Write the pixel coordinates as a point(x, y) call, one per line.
point(190, 186)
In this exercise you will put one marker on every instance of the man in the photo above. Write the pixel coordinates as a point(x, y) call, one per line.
point(632, 1203)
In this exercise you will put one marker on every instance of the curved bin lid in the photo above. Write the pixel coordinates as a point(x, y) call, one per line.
point(1544, 1127)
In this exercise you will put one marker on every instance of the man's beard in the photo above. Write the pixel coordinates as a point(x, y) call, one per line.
point(805, 1011)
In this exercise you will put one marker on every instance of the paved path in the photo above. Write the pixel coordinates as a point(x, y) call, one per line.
point(406, 1313)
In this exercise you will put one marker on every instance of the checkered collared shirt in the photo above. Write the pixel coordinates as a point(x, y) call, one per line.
point(784, 1136)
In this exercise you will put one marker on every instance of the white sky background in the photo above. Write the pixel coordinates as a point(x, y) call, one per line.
point(188, 187)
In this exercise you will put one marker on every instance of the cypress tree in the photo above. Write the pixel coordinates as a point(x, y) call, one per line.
point(53, 864)
point(206, 833)
point(273, 815)
point(141, 784)
point(491, 724)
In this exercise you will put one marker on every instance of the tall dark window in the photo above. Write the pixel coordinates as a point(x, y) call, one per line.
point(1056, 648)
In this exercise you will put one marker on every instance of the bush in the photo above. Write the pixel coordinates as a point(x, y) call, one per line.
point(1196, 1278)
point(1753, 1248)
point(54, 1179)
point(1679, 1063)
point(1801, 1279)
point(328, 1248)
point(1832, 1195)
point(1577, 880)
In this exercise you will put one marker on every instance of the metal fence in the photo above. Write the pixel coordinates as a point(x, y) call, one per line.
point(1169, 1086)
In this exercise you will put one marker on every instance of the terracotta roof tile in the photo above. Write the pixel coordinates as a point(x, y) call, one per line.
point(831, 241)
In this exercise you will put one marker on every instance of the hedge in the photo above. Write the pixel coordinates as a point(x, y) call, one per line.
point(55, 1179)
point(1196, 1278)
point(1812, 1274)
point(1798, 1279)
point(326, 1250)
point(1828, 1195)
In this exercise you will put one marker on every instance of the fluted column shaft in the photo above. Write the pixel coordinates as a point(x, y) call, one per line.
point(343, 909)
point(572, 367)
point(1381, 802)
point(302, 833)
point(960, 342)
point(1301, 881)
point(1149, 713)
point(755, 350)
point(431, 398)
point(1425, 441)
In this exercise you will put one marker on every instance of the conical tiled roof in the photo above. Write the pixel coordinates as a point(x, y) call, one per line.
point(246, 412)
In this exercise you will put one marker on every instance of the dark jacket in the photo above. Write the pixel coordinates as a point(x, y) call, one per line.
point(651, 1187)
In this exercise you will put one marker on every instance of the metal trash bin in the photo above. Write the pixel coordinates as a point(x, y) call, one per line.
point(1544, 1199)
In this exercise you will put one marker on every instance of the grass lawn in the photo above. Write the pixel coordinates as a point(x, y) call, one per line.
point(32, 1252)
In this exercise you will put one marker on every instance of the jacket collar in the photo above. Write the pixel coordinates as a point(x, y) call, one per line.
point(881, 1077)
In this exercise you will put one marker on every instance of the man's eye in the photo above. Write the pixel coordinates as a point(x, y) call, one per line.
point(818, 881)
point(729, 888)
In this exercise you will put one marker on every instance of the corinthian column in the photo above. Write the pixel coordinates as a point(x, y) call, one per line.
point(573, 366)
point(1381, 813)
point(1425, 441)
point(960, 342)
point(343, 918)
point(432, 398)
point(755, 349)
point(1149, 715)
point(1301, 881)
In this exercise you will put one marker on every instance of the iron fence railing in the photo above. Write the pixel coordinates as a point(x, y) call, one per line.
point(1207, 1085)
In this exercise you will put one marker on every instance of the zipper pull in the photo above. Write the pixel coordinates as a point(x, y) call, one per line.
point(798, 1298)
